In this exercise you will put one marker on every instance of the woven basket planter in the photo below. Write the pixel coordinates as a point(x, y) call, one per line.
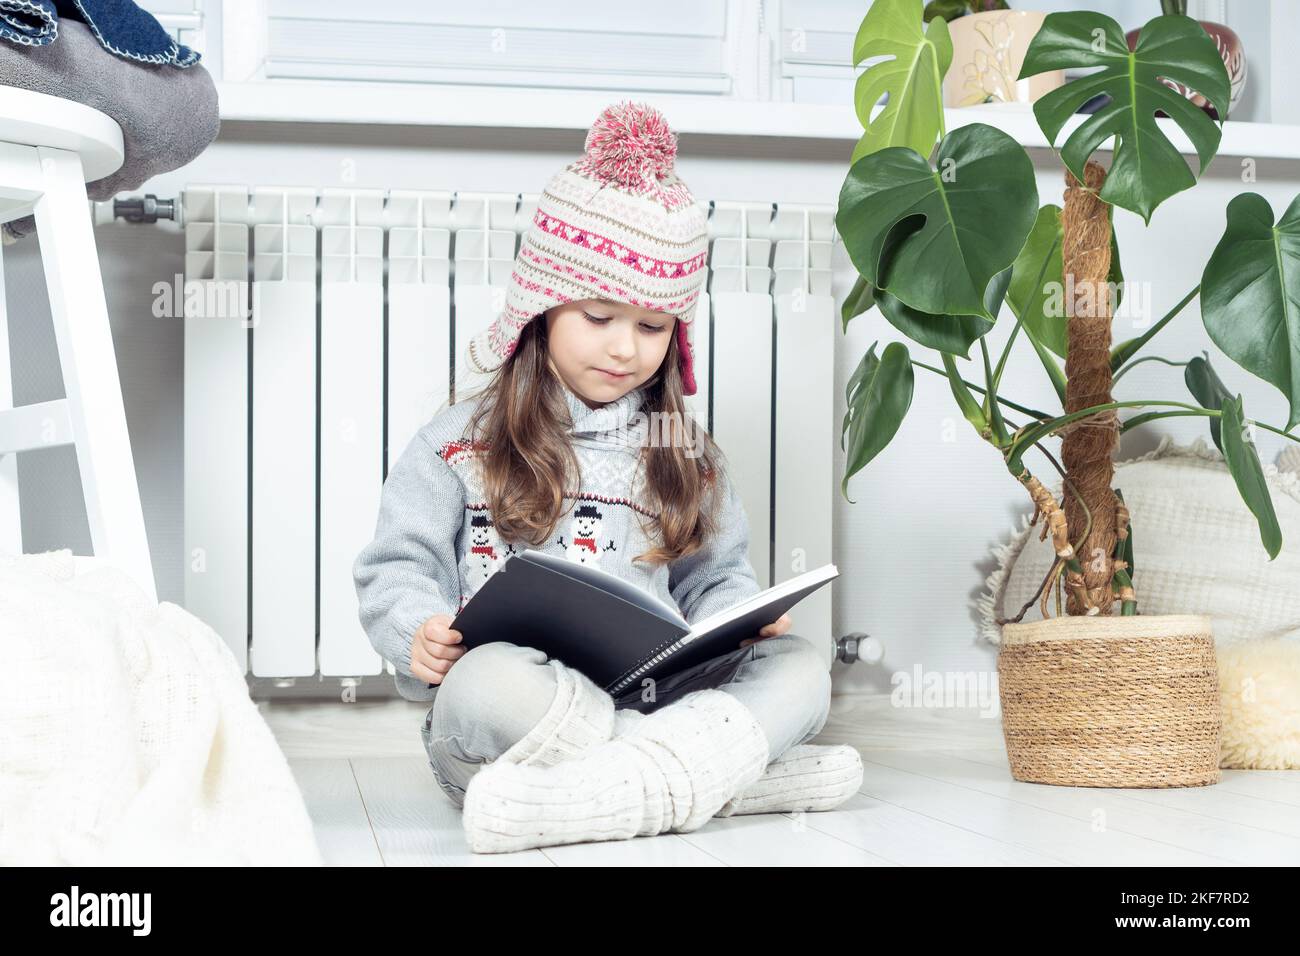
point(1111, 701)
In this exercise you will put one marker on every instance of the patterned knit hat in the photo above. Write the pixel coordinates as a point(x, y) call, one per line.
point(616, 224)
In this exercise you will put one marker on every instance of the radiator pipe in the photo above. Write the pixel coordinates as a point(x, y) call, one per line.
point(147, 209)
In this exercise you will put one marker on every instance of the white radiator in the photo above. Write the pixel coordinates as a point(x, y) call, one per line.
point(314, 352)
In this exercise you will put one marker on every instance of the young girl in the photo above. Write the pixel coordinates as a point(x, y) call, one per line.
point(580, 445)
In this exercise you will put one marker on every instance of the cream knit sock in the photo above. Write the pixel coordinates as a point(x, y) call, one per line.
point(580, 716)
point(805, 777)
point(671, 773)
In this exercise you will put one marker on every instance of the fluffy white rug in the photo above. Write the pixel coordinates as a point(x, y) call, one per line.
point(1259, 696)
point(127, 736)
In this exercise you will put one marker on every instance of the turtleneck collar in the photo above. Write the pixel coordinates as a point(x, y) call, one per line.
point(608, 424)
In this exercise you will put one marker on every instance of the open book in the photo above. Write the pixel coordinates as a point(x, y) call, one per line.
point(611, 630)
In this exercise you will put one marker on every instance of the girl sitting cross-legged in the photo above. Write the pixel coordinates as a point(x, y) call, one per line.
point(580, 445)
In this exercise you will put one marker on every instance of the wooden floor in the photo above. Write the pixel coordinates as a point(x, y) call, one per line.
point(936, 791)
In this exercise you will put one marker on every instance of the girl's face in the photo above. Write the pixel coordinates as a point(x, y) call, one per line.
point(602, 350)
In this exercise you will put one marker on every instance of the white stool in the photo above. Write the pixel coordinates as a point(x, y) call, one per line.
point(49, 149)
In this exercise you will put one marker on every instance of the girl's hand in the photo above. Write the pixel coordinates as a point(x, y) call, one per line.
point(434, 648)
point(775, 629)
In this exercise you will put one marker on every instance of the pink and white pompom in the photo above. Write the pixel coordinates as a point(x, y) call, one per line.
point(629, 143)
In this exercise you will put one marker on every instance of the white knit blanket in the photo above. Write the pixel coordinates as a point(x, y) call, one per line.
point(127, 735)
point(1197, 548)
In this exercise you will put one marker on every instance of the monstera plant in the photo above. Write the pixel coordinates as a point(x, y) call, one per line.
point(943, 236)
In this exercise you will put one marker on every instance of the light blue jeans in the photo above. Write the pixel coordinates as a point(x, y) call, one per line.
point(494, 694)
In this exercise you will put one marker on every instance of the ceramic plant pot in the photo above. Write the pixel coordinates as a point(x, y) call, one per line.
point(1234, 58)
point(987, 52)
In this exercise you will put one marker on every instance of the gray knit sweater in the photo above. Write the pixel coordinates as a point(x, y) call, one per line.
point(435, 543)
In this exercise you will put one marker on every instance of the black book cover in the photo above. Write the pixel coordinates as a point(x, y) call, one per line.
point(609, 629)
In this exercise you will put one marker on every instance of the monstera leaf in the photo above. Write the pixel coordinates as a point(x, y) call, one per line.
point(1038, 280)
point(1250, 294)
point(1239, 453)
point(953, 334)
point(1244, 466)
point(860, 298)
point(913, 77)
point(864, 295)
point(878, 395)
point(1208, 389)
point(974, 213)
point(1147, 168)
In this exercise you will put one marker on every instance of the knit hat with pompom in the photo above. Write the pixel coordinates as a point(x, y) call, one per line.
point(616, 224)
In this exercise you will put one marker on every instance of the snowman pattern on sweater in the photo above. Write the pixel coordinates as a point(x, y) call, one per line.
point(488, 552)
point(584, 547)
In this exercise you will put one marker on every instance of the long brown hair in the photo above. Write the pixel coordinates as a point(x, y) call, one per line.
point(529, 464)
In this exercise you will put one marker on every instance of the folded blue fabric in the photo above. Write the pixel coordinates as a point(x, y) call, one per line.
point(28, 22)
point(120, 26)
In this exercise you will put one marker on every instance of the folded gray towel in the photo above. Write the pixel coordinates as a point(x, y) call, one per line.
point(168, 116)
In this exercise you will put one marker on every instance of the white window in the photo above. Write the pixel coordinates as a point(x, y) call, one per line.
point(669, 46)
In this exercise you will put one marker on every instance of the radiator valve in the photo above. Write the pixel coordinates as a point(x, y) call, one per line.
point(859, 646)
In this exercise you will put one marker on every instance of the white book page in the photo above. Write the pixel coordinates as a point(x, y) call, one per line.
point(762, 599)
point(605, 581)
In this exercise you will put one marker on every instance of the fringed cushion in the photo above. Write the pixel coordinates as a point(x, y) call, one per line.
point(1196, 549)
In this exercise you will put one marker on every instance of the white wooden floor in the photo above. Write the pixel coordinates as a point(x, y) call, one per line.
point(936, 791)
